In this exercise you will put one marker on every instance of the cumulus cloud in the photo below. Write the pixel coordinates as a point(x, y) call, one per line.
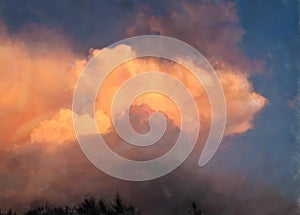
point(56, 136)
point(242, 101)
point(40, 158)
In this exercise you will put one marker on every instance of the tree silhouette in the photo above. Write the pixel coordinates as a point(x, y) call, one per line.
point(10, 212)
point(195, 210)
point(89, 206)
point(118, 207)
point(92, 206)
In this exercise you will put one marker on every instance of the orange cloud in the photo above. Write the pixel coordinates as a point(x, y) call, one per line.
point(34, 86)
point(242, 102)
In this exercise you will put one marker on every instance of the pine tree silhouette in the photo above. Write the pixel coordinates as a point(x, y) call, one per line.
point(195, 210)
point(91, 206)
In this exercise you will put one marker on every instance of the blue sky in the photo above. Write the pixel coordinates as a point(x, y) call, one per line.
point(272, 34)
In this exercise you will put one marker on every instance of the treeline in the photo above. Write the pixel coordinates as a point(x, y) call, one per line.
point(91, 206)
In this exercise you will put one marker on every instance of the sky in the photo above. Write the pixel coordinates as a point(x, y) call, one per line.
point(252, 45)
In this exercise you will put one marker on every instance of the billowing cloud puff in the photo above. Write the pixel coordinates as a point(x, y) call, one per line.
point(242, 102)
